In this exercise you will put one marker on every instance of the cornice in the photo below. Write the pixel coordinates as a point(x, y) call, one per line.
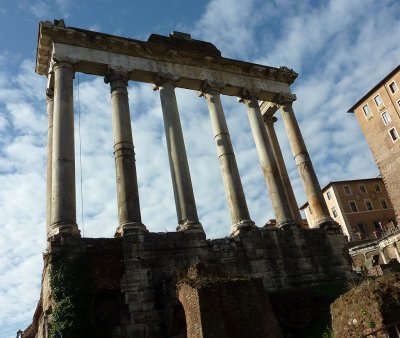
point(57, 32)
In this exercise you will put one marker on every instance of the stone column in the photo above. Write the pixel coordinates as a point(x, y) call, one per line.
point(268, 164)
point(396, 251)
point(269, 124)
point(129, 216)
point(382, 253)
point(181, 181)
point(63, 204)
point(50, 108)
point(307, 174)
point(230, 173)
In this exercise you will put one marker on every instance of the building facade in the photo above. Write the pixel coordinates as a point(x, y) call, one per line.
point(378, 113)
point(361, 207)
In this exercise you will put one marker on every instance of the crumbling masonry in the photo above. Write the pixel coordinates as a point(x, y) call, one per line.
point(173, 284)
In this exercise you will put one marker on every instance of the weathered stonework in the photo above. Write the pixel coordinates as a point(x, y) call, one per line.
point(135, 277)
point(368, 308)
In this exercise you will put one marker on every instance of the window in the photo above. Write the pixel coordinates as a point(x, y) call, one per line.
point(386, 117)
point(378, 100)
point(353, 206)
point(334, 212)
point(362, 189)
point(368, 204)
point(347, 190)
point(393, 87)
point(367, 111)
point(328, 195)
point(309, 209)
point(377, 225)
point(361, 228)
point(384, 204)
point(394, 134)
point(377, 187)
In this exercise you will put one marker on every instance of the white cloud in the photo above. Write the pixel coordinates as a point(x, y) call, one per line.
point(39, 9)
point(339, 49)
point(64, 6)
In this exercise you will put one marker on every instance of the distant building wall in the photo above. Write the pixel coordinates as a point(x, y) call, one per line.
point(378, 114)
point(361, 207)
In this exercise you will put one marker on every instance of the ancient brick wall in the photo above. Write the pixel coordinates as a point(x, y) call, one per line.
point(134, 289)
point(281, 259)
point(227, 307)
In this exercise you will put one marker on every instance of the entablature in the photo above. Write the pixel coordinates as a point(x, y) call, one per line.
point(192, 61)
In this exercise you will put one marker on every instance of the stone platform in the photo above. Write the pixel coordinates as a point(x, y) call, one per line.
point(133, 280)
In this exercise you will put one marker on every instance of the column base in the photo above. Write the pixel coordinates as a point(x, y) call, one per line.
point(131, 227)
point(63, 230)
point(287, 224)
point(242, 226)
point(194, 226)
point(328, 224)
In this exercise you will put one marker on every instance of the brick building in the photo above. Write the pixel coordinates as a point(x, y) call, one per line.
point(361, 207)
point(378, 113)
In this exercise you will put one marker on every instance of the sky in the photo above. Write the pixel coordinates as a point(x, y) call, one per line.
point(339, 48)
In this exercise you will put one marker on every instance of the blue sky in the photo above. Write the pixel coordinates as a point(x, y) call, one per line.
point(340, 49)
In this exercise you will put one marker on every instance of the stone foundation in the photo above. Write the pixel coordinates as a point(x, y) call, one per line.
point(134, 279)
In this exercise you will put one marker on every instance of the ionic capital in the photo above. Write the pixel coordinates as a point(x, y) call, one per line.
point(247, 97)
point(284, 99)
point(210, 87)
point(269, 119)
point(118, 80)
point(64, 62)
point(162, 78)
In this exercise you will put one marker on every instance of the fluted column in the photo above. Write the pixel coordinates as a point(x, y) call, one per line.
point(129, 216)
point(268, 164)
point(50, 108)
point(230, 173)
point(181, 181)
point(269, 124)
point(306, 170)
point(63, 206)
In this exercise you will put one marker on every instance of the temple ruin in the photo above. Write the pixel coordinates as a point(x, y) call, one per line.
point(176, 284)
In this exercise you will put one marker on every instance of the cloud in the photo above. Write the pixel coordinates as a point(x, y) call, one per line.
point(39, 9)
point(339, 50)
point(64, 7)
point(230, 24)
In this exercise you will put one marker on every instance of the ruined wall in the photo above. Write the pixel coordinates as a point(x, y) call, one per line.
point(227, 307)
point(367, 308)
point(134, 288)
point(281, 259)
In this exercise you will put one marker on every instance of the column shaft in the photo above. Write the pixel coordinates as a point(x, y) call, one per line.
point(129, 215)
point(382, 253)
point(230, 173)
point(181, 181)
point(396, 251)
point(50, 108)
point(63, 206)
point(268, 165)
point(307, 174)
point(269, 124)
